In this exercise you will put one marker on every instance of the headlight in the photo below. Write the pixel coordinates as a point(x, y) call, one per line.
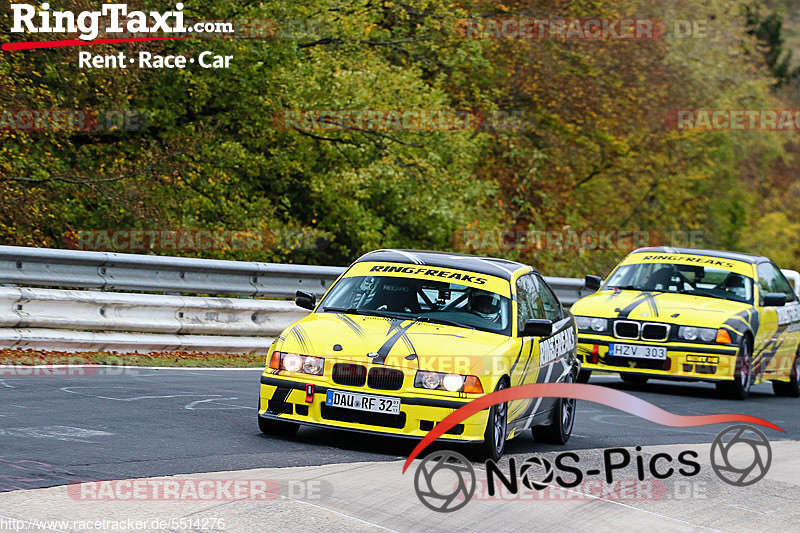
point(431, 380)
point(449, 382)
point(292, 362)
point(599, 324)
point(453, 382)
point(708, 334)
point(313, 365)
point(691, 333)
point(587, 323)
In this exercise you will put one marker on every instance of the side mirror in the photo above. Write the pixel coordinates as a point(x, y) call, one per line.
point(592, 282)
point(774, 299)
point(537, 327)
point(306, 300)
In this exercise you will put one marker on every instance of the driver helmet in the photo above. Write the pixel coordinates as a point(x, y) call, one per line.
point(485, 304)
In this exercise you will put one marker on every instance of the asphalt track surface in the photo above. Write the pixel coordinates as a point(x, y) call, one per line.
point(140, 422)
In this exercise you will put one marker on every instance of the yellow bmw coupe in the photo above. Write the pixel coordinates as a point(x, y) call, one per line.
point(725, 317)
point(404, 338)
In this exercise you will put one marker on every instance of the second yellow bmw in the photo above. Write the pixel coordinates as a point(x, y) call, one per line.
point(725, 317)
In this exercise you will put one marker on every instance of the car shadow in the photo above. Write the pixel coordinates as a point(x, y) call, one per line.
point(688, 389)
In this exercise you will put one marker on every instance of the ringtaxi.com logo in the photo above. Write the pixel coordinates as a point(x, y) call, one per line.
point(27, 18)
point(118, 23)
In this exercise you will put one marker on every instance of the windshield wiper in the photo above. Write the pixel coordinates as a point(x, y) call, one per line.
point(357, 311)
point(701, 292)
point(434, 320)
point(627, 288)
point(349, 311)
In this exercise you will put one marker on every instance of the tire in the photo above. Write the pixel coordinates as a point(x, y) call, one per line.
point(276, 428)
point(634, 379)
point(739, 387)
point(583, 376)
point(494, 438)
point(560, 428)
point(791, 388)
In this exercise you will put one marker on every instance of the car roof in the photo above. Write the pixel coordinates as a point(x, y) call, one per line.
point(493, 266)
point(735, 256)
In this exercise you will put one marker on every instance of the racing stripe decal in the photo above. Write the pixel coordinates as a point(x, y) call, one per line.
point(521, 348)
point(523, 407)
point(400, 333)
point(352, 324)
point(645, 297)
point(300, 335)
point(527, 363)
point(410, 256)
point(565, 369)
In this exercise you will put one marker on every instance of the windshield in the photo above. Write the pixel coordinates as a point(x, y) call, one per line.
point(684, 279)
point(420, 299)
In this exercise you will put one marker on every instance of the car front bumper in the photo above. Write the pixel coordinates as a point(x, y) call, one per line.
point(710, 362)
point(284, 399)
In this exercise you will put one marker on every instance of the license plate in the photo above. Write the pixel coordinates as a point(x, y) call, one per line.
point(638, 351)
point(363, 402)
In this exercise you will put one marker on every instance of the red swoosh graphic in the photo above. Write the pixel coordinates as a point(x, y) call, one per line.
point(77, 42)
point(619, 400)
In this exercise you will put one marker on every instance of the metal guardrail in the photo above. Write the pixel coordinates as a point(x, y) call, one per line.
point(46, 267)
point(73, 321)
point(93, 320)
point(146, 313)
point(152, 273)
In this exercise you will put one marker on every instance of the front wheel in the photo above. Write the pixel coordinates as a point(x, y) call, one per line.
point(560, 428)
point(790, 388)
point(494, 438)
point(739, 387)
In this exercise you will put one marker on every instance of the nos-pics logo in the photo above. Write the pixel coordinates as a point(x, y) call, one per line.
point(445, 481)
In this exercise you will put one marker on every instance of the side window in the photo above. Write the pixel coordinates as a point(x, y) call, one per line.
point(528, 301)
point(552, 308)
point(770, 279)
